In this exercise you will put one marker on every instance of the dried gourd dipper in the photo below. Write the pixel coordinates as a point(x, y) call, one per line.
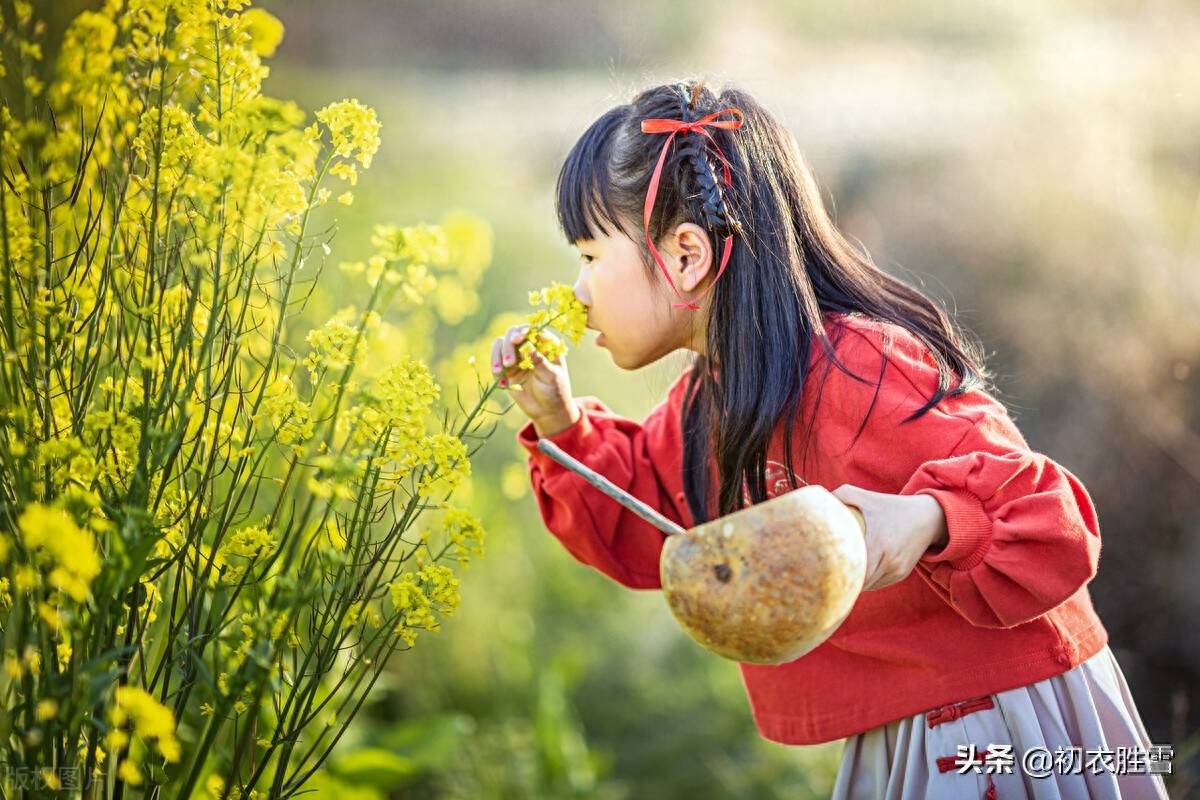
point(764, 585)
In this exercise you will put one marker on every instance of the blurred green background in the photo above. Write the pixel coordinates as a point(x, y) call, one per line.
point(1034, 165)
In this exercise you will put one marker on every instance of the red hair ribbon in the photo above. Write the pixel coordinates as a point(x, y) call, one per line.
point(673, 127)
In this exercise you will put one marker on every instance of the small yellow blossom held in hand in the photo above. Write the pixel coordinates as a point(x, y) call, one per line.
point(557, 308)
point(563, 311)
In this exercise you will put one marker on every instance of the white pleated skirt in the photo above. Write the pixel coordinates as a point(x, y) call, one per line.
point(1074, 736)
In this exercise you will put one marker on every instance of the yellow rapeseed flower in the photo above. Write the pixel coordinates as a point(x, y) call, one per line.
point(465, 533)
point(129, 773)
point(354, 129)
point(68, 550)
point(266, 31)
point(251, 542)
point(566, 314)
point(336, 345)
point(149, 719)
point(557, 308)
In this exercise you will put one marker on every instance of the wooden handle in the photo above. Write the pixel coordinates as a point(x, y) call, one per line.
point(609, 488)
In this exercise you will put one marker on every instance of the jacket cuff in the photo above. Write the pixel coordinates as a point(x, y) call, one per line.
point(970, 529)
point(573, 440)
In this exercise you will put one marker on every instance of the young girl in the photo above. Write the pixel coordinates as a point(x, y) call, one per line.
point(974, 643)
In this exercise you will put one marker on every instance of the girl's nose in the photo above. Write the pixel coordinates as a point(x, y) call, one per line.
point(580, 289)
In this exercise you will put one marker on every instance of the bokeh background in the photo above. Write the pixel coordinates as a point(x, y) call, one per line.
point(1034, 165)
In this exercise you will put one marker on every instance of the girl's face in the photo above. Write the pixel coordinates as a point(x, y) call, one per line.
point(631, 306)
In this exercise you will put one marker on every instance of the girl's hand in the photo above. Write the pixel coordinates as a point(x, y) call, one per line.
point(900, 528)
point(545, 390)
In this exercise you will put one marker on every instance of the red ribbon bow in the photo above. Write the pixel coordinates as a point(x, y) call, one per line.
point(673, 127)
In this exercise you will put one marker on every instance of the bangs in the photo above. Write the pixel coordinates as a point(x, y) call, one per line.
point(583, 198)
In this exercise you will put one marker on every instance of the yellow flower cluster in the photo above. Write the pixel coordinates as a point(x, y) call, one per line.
point(417, 596)
point(443, 458)
point(336, 476)
point(402, 395)
point(558, 308)
point(168, 139)
point(465, 534)
point(561, 310)
point(251, 542)
point(290, 417)
point(266, 32)
point(242, 549)
point(420, 244)
point(215, 784)
point(154, 218)
point(21, 244)
point(136, 715)
point(115, 432)
point(336, 345)
point(66, 549)
point(88, 73)
point(354, 129)
point(391, 418)
point(69, 462)
point(147, 598)
point(403, 256)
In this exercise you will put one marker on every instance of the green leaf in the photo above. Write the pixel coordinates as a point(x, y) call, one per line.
point(324, 786)
point(376, 768)
point(430, 743)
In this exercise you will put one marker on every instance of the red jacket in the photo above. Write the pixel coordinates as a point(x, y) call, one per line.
point(1003, 605)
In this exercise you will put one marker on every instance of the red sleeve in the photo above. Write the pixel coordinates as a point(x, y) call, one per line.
point(1023, 532)
point(643, 458)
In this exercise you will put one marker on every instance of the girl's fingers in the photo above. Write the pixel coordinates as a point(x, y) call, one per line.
point(850, 495)
point(543, 368)
point(558, 360)
point(861, 499)
point(506, 355)
point(508, 349)
point(497, 366)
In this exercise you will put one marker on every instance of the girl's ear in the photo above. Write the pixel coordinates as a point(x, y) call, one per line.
point(692, 252)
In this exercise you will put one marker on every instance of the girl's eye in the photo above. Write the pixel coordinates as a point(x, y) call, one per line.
point(586, 258)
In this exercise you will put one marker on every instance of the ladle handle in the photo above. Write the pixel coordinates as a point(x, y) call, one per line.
point(609, 488)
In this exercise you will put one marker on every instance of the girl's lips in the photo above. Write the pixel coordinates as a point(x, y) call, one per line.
point(599, 339)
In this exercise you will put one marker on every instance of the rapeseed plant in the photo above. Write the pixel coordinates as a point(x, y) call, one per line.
point(215, 529)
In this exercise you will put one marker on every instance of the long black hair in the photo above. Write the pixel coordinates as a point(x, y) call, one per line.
point(789, 266)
